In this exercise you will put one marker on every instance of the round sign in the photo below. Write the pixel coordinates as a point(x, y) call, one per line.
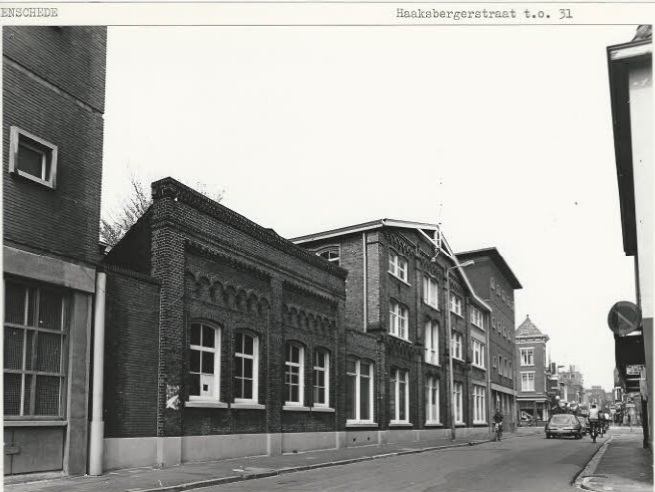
point(624, 317)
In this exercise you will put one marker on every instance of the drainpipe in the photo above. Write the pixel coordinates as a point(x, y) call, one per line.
point(96, 441)
point(365, 275)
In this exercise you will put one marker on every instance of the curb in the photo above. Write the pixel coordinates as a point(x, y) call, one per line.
point(581, 481)
point(294, 469)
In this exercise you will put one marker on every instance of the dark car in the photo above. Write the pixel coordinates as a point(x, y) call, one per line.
point(585, 425)
point(563, 424)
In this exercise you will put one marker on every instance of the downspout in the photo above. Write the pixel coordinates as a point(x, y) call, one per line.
point(96, 441)
point(490, 402)
point(365, 278)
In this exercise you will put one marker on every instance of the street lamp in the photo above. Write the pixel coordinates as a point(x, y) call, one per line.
point(450, 352)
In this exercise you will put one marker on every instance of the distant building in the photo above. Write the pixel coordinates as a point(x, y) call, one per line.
point(493, 280)
point(630, 69)
point(572, 384)
point(53, 105)
point(532, 368)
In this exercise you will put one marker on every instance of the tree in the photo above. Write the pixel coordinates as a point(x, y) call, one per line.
point(113, 228)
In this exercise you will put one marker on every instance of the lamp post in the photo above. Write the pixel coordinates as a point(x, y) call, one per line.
point(450, 352)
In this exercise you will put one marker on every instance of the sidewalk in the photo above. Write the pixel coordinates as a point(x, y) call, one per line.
point(195, 475)
point(620, 465)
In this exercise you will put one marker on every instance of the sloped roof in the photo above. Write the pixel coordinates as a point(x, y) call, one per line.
point(497, 259)
point(528, 329)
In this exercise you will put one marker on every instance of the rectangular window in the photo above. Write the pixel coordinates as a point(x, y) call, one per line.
point(359, 391)
point(399, 398)
point(32, 157)
point(527, 381)
point(246, 363)
point(398, 315)
point(294, 375)
point(432, 401)
point(510, 372)
point(36, 324)
point(456, 304)
point(527, 356)
point(432, 342)
point(493, 323)
point(398, 266)
point(430, 292)
point(479, 404)
point(456, 345)
point(458, 389)
point(478, 354)
point(204, 363)
point(476, 317)
point(321, 378)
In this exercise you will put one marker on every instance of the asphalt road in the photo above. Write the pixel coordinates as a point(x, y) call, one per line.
point(524, 464)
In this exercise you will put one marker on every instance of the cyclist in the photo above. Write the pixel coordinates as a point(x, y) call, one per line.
point(594, 417)
point(498, 421)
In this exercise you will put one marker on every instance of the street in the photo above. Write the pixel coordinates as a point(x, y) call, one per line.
point(531, 463)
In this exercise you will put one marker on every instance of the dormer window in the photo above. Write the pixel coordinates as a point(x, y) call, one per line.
point(331, 254)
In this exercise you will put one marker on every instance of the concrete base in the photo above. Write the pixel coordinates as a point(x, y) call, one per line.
point(129, 452)
point(308, 441)
point(169, 451)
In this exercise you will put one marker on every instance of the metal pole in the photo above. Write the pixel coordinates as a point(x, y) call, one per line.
point(97, 431)
point(450, 358)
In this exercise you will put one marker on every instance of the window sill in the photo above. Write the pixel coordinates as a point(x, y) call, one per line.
point(482, 368)
point(400, 279)
point(459, 315)
point(458, 359)
point(35, 423)
point(479, 422)
point(361, 424)
point(247, 406)
point(433, 306)
point(204, 404)
point(295, 408)
point(400, 424)
point(323, 409)
point(400, 338)
point(432, 363)
point(42, 182)
point(433, 424)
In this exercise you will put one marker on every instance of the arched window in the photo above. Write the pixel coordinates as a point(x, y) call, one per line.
point(204, 362)
point(294, 375)
point(330, 253)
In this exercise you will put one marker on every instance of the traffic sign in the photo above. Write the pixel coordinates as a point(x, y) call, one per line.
point(624, 317)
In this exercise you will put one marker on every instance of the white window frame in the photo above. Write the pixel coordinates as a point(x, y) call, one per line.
point(458, 391)
point(432, 403)
point(330, 253)
point(45, 148)
point(398, 320)
point(430, 291)
point(456, 304)
point(527, 356)
point(477, 318)
point(493, 283)
point(398, 378)
point(326, 373)
point(398, 266)
point(526, 380)
point(479, 404)
point(216, 350)
point(478, 354)
point(357, 403)
point(456, 341)
point(432, 342)
point(510, 370)
point(290, 367)
point(255, 367)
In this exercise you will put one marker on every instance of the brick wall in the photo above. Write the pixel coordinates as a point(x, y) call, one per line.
point(131, 355)
point(62, 222)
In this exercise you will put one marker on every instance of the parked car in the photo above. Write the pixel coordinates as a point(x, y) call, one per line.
point(585, 425)
point(563, 424)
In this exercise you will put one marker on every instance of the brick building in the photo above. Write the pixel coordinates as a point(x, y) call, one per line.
point(494, 281)
point(396, 293)
point(222, 339)
point(532, 371)
point(53, 105)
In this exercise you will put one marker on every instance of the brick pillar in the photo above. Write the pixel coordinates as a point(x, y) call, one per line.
point(168, 260)
point(272, 375)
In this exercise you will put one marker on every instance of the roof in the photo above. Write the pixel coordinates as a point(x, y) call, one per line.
point(497, 259)
point(529, 329)
point(402, 224)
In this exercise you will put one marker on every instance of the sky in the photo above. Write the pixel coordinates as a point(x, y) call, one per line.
point(501, 134)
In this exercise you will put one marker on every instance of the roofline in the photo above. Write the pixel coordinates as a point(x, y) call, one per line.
point(494, 254)
point(366, 226)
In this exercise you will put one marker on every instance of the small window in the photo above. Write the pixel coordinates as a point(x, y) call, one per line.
point(493, 283)
point(456, 345)
point(331, 254)
point(398, 320)
point(398, 266)
point(493, 323)
point(32, 157)
point(476, 317)
point(478, 354)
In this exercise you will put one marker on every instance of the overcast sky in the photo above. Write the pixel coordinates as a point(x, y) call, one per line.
point(503, 134)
